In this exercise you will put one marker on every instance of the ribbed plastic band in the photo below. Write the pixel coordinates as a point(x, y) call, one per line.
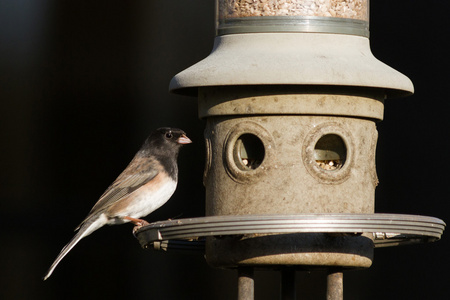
point(293, 24)
point(387, 229)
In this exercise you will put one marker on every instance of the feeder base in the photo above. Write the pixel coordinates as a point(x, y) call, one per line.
point(310, 250)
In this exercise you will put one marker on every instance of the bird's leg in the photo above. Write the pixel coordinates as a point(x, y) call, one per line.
point(139, 223)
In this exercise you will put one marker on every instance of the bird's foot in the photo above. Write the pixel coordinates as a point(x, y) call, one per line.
point(139, 223)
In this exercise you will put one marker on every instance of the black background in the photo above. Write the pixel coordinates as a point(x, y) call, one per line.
point(82, 83)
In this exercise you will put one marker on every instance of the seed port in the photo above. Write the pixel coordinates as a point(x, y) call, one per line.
point(330, 152)
point(248, 152)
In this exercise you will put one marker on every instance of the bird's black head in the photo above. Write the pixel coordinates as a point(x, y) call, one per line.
point(166, 141)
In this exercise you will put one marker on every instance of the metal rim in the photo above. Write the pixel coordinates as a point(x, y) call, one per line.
point(387, 229)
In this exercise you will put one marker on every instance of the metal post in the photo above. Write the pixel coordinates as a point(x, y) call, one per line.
point(246, 284)
point(288, 284)
point(335, 284)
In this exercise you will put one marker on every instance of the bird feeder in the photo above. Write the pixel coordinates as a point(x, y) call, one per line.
point(291, 94)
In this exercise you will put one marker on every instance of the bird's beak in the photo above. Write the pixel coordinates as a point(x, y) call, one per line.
point(183, 139)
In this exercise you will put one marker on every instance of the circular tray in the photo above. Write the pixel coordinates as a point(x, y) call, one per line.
point(386, 229)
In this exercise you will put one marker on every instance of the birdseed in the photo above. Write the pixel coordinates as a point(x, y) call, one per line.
point(352, 9)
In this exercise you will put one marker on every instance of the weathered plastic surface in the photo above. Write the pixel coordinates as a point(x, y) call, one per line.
point(289, 180)
point(286, 177)
point(292, 59)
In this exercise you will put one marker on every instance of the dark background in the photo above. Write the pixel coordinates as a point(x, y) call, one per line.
point(82, 83)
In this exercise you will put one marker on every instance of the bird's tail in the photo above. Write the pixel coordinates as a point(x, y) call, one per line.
point(89, 226)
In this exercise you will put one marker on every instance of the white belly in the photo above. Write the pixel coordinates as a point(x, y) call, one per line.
point(146, 203)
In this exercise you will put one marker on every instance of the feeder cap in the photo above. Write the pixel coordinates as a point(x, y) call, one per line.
point(291, 59)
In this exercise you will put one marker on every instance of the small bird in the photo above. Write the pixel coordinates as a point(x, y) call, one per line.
point(146, 184)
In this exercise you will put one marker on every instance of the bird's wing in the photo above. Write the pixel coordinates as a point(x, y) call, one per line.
point(137, 174)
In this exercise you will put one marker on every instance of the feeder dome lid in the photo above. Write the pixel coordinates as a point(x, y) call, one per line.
point(291, 59)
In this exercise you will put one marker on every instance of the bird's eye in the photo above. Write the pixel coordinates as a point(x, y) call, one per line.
point(169, 135)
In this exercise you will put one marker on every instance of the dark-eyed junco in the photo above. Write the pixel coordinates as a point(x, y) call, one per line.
point(145, 185)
